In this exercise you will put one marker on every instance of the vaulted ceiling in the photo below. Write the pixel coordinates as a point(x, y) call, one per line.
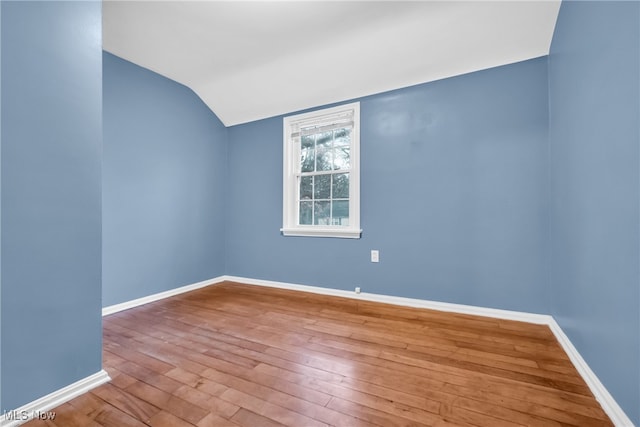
point(249, 60)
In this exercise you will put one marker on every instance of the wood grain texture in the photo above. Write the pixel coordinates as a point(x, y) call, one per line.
point(240, 355)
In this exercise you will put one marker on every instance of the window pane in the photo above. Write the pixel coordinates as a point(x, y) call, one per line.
point(341, 186)
point(324, 142)
point(322, 187)
point(340, 212)
point(341, 158)
point(321, 212)
point(324, 138)
point(306, 213)
point(306, 187)
point(342, 137)
point(307, 154)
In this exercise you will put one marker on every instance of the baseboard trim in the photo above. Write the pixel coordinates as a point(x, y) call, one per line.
point(52, 400)
point(609, 405)
point(602, 395)
point(161, 295)
point(540, 319)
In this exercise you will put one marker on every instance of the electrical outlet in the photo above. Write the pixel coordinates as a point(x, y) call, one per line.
point(375, 256)
point(357, 290)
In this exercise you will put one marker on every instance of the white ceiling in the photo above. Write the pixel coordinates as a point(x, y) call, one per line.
point(250, 60)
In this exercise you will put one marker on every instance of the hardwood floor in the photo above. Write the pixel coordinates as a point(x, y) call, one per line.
point(239, 355)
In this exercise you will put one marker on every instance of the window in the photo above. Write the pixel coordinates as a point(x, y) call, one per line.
point(322, 174)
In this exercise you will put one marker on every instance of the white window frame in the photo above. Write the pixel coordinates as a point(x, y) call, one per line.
point(291, 173)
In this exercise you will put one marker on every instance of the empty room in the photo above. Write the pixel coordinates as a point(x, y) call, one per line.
point(320, 213)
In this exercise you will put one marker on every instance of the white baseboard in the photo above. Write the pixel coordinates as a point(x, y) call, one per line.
point(161, 295)
point(602, 395)
point(540, 319)
point(41, 406)
point(609, 405)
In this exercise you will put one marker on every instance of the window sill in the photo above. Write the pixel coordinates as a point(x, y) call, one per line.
point(350, 233)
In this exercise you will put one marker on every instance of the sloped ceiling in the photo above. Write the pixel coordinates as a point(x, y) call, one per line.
point(251, 60)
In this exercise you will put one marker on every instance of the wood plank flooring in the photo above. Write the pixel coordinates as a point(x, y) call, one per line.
point(240, 355)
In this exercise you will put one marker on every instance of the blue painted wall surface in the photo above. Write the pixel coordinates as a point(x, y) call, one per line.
point(163, 185)
point(51, 208)
point(454, 195)
point(594, 133)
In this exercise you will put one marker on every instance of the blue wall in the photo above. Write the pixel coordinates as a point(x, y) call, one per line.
point(594, 133)
point(163, 185)
point(51, 209)
point(516, 187)
point(454, 187)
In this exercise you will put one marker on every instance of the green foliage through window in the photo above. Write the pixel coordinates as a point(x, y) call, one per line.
point(324, 178)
